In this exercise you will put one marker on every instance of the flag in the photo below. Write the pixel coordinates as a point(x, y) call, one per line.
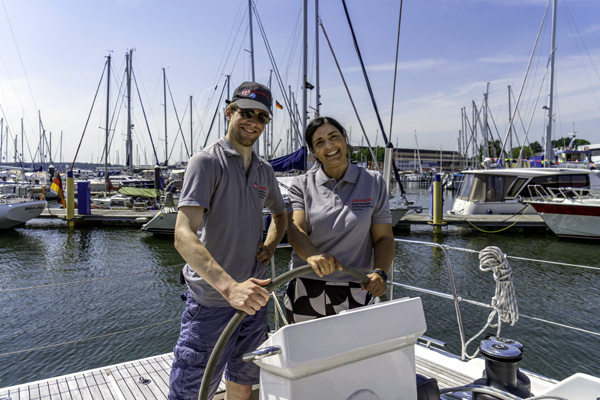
point(278, 105)
point(57, 187)
point(309, 86)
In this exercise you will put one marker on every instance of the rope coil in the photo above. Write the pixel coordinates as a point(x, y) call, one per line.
point(504, 300)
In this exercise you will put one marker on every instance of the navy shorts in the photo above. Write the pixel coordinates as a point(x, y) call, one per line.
point(201, 327)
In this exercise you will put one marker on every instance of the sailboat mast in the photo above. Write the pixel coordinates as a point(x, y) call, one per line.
point(165, 103)
point(191, 130)
point(549, 152)
point(107, 122)
point(317, 79)
point(486, 136)
point(128, 143)
point(510, 127)
point(304, 65)
point(251, 39)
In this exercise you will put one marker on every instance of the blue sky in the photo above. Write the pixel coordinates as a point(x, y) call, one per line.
point(53, 54)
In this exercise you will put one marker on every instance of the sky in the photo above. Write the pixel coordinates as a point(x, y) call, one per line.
point(450, 52)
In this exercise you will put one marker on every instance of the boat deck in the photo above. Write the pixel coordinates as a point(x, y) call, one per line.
point(148, 378)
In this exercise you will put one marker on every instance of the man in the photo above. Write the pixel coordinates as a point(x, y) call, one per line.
point(225, 188)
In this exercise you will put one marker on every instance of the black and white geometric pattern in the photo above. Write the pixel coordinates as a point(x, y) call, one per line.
point(307, 299)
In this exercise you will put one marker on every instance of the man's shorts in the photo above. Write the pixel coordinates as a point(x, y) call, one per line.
point(201, 327)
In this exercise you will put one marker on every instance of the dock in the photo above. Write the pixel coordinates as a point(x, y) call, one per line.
point(100, 216)
point(486, 221)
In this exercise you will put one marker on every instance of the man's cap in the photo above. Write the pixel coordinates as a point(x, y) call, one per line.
point(253, 95)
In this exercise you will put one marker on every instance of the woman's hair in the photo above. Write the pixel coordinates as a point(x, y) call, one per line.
point(316, 124)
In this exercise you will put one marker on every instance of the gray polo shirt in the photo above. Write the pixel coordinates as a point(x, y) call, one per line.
point(232, 226)
point(339, 216)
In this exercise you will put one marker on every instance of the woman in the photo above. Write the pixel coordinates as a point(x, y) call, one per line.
point(339, 215)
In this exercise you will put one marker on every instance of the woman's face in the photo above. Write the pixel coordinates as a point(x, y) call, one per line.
point(329, 146)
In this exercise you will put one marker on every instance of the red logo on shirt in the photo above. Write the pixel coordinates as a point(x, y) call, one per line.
point(262, 191)
point(361, 204)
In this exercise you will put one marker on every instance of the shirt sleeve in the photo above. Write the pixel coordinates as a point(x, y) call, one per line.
point(201, 178)
point(296, 193)
point(382, 214)
point(274, 201)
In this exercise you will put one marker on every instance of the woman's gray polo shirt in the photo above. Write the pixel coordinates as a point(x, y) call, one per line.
point(232, 226)
point(339, 216)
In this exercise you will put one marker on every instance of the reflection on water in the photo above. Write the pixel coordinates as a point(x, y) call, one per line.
point(147, 292)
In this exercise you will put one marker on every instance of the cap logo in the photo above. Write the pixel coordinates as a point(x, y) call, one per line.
point(252, 95)
point(245, 92)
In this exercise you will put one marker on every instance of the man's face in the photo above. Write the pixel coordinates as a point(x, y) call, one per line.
point(245, 126)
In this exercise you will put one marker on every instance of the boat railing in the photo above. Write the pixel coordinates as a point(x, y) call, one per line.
point(545, 193)
point(505, 311)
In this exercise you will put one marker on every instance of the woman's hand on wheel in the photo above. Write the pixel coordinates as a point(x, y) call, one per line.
point(324, 264)
point(376, 286)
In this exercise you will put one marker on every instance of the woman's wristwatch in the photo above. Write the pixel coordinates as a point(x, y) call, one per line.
point(381, 273)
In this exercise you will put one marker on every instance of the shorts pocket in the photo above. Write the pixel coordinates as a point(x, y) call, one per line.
point(192, 309)
point(189, 356)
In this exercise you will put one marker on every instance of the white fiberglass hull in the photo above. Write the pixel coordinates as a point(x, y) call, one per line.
point(508, 207)
point(17, 211)
point(571, 218)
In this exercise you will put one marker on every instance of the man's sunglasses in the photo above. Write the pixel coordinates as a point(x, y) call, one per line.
point(249, 114)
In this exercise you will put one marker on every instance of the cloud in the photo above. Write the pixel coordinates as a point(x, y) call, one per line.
point(416, 65)
point(504, 59)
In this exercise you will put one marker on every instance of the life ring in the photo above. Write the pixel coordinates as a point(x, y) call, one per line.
point(568, 147)
point(586, 148)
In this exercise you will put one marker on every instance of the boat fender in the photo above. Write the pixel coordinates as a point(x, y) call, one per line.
point(427, 388)
point(501, 367)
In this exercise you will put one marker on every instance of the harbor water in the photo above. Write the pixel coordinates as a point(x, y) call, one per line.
point(94, 296)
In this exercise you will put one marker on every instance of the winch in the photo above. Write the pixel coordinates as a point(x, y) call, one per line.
point(501, 372)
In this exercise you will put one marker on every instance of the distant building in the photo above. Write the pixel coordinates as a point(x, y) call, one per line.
point(408, 159)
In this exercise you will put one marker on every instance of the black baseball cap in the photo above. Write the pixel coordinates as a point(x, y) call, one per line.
point(253, 95)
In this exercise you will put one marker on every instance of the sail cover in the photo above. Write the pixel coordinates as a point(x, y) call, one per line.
point(289, 162)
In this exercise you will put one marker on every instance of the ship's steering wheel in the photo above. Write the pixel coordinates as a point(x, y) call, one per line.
point(239, 316)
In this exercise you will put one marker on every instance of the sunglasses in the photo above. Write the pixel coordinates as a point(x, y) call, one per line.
point(249, 114)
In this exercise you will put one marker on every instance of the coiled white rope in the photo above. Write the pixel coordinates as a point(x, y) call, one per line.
point(504, 301)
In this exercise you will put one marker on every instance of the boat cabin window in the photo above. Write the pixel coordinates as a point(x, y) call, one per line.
point(486, 187)
point(516, 187)
point(465, 187)
point(558, 181)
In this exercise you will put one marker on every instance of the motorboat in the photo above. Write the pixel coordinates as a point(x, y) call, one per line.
point(503, 190)
point(15, 211)
point(570, 212)
point(117, 201)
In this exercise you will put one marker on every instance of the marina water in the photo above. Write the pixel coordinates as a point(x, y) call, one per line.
point(94, 296)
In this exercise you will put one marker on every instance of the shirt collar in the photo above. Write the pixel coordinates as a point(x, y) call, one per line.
point(351, 175)
point(230, 151)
